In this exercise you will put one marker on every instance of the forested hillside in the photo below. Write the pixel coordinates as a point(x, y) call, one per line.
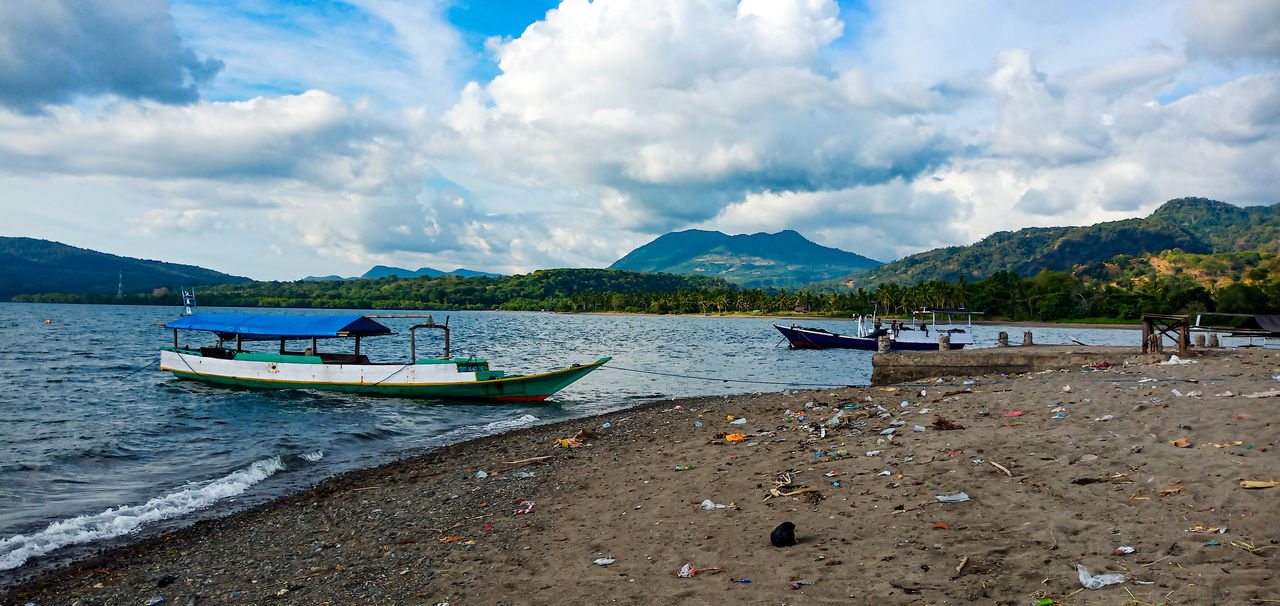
point(785, 259)
point(28, 265)
point(1191, 225)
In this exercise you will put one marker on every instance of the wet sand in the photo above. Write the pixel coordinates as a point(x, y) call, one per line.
point(1087, 468)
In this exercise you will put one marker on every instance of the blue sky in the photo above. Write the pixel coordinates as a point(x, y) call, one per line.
point(279, 139)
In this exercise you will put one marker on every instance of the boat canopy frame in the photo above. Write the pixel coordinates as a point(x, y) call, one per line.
point(266, 327)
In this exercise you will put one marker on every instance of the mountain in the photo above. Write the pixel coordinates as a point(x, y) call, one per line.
point(1192, 225)
point(28, 265)
point(382, 271)
point(785, 259)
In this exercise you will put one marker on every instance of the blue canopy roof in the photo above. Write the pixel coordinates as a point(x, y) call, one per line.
point(275, 327)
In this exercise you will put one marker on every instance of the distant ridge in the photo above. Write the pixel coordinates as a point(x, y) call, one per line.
point(30, 266)
point(1193, 225)
point(784, 259)
point(383, 271)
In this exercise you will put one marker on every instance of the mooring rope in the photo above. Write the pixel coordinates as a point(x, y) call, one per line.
point(724, 380)
point(153, 363)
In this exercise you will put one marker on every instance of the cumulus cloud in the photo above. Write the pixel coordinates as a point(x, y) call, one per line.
point(52, 51)
point(675, 109)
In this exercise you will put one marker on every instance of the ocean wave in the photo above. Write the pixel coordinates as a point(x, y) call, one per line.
point(509, 424)
point(117, 521)
point(313, 456)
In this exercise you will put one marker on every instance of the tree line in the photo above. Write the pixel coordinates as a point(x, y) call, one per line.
point(1047, 296)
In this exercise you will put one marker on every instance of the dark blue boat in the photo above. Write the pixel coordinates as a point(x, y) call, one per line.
point(921, 337)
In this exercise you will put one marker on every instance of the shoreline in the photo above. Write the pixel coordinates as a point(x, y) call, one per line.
point(387, 534)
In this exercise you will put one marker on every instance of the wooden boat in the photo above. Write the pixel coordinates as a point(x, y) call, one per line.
point(446, 377)
point(920, 335)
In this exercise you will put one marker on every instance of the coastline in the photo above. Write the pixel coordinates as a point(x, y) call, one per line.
point(1077, 489)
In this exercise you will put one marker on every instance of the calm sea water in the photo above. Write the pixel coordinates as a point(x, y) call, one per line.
point(94, 450)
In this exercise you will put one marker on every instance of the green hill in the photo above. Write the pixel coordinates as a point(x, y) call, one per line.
point(785, 259)
point(28, 265)
point(1192, 225)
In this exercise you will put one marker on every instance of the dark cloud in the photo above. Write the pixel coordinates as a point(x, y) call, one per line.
point(52, 51)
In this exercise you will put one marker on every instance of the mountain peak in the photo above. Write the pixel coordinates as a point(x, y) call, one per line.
point(783, 259)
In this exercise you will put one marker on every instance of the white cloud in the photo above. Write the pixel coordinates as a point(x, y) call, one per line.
point(1233, 30)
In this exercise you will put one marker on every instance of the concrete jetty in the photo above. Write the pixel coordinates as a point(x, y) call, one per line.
point(907, 366)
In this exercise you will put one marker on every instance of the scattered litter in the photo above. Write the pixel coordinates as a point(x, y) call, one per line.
point(603, 561)
point(905, 404)
point(1174, 360)
point(1066, 389)
point(1099, 581)
point(738, 421)
point(1061, 415)
point(1124, 550)
point(1271, 393)
point(1208, 530)
point(872, 453)
point(1225, 394)
point(800, 583)
point(958, 497)
point(941, 526)
point(885, 473)
point(1176, 393)
point(527, 509)
point(1015, 413)
point(154, 600)
point(709, 505)
point(684, 467)
point(452, 539)
point(1104, 418)
point(888, 432)
point(1257, 484)
point(1180, 443)
point(735, 437)
point(918, 428)
point(978, 461)
point(481, 474)
point(687, 571)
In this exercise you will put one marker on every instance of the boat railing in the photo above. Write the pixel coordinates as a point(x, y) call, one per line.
point(430, 323)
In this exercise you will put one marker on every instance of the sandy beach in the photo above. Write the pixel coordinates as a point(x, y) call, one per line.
point(1133, 471)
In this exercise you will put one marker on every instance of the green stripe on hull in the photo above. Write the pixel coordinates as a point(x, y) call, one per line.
point(534, 387)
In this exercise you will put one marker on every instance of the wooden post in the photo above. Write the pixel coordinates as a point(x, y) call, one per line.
point(1213, 340)
point(1002, 339)
point(944, 342)
point(1026, 338)
point(1200, 340)
point(882, 344)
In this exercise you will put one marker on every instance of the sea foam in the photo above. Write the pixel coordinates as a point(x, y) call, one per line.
point(16, 550)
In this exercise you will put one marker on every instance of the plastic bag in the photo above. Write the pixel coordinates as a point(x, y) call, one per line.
point(1097, 581)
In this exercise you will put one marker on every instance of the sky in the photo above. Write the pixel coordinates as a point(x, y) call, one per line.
point(277, 139)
